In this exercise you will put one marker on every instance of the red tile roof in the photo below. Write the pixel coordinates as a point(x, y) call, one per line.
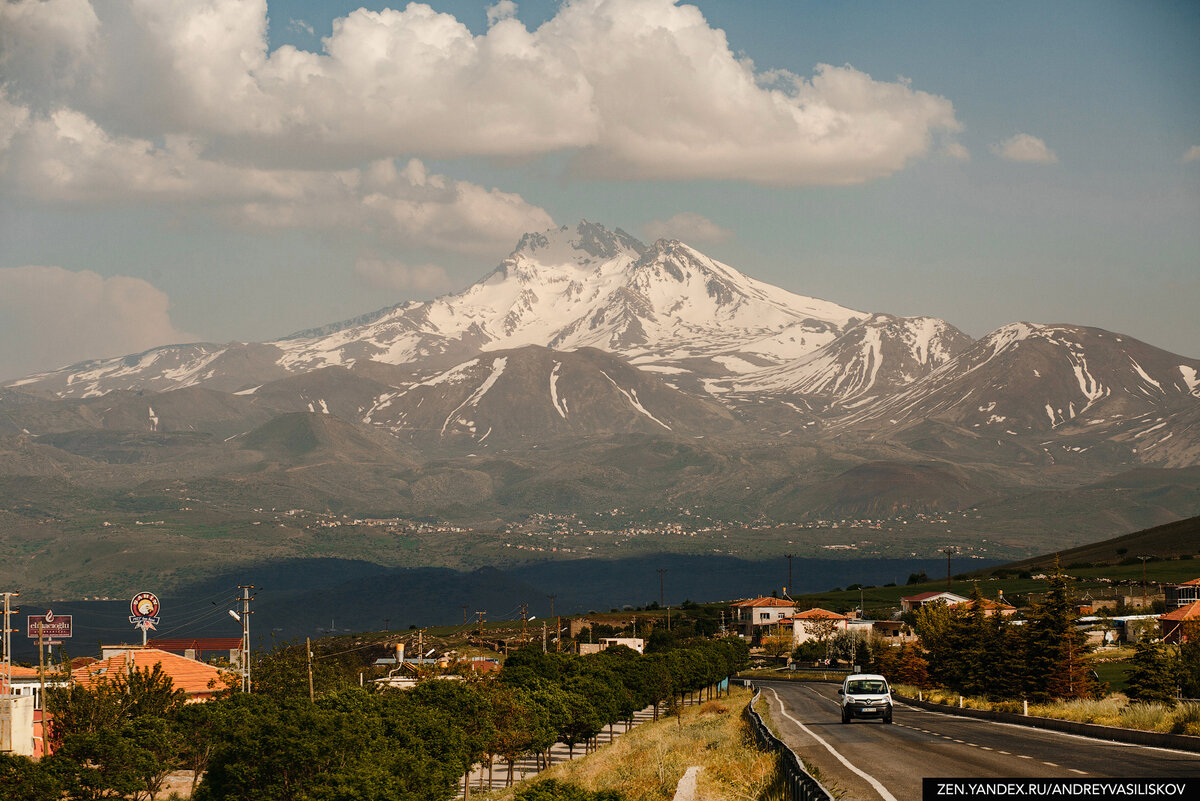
point(820, 614)
point(1188, 612)
point(1191, 583)
point(756, 602)
point(988, 603)
point(19, 672)
point(187, 674)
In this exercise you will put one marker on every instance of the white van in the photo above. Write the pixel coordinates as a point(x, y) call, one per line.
point(866, 695)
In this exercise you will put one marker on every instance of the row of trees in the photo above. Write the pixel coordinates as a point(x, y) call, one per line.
point(966, 650)
point(121, 738)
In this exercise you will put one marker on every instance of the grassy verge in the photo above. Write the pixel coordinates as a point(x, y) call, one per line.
point(1112, 710)
point(647, 763)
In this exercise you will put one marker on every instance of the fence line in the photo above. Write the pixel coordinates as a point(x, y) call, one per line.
point(798, 783)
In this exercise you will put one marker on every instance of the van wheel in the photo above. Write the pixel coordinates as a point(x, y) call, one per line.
point(845, 716)
point(888, 718)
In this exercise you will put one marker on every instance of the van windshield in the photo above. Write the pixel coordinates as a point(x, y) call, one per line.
point(866, 687)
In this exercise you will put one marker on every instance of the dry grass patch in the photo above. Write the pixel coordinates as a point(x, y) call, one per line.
point(647, 763)
point(1112, 710)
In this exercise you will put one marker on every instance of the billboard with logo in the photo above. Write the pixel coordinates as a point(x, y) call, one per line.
point(53, 626)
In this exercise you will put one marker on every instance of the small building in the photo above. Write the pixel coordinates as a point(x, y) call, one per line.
point(915, 602)
point(199, 681)
point(817, 624)
point(1182, 624)
point(1181, 595)
point(28, 709)
point(755, 614)
point(636, 643)
point(893, 632)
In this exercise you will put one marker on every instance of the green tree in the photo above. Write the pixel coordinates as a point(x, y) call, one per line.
point(1055, 650)
point(1154, 675)
point(114, 738)
point(23, 778)
point(553, 790)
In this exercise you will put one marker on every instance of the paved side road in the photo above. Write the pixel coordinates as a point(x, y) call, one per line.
point(871, 760)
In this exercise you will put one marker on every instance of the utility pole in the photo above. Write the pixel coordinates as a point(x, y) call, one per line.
point(661, 570)
point(9, 611)
point(245, 599)
point(464, 608)
point(41, 672)
point(308, 651)
point(1144, 558)
point(789, 557)
point(557, 626)
point(479, 618)
point(524, 621)
point(387, 623)
point(948, 550)
point(543, 636)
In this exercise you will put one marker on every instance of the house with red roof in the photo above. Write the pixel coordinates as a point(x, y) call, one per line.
point(990, 607)
point(817, 624)
point(759, 614)
point(914, 602)
point(199, 681)
point(1182, 624)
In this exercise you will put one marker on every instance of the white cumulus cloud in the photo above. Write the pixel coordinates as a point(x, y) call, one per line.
point(687, 227)
point(638, 89)
point(503, 9)
point(1024, 147)
point(50, 317)
point(1193, 154)
point(66, 157)
point(396, 276)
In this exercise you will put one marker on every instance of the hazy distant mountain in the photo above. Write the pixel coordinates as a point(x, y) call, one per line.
point(587, 374)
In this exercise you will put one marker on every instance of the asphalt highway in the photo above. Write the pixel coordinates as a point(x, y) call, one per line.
point(870, 760)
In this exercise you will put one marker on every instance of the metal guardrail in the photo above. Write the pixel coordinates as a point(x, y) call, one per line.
point(798, 783)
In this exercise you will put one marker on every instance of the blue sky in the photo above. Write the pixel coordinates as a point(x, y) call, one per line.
point(195, 173)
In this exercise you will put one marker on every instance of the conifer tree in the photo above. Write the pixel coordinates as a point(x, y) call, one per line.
point(1055, 651)
point(1154, 676)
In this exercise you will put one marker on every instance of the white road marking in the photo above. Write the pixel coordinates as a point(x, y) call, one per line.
point(1080, 772)
point(1024, 756)
point(1006, 753)
point(1051, 764)
point(879, 788)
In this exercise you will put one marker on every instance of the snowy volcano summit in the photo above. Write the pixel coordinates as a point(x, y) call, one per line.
point(665, 306)
point(590, 287)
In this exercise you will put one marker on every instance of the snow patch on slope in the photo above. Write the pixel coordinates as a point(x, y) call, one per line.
point(498, 366)
point(633, 401)
point(559, 406)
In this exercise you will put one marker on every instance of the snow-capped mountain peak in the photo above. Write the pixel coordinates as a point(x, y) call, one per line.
point(667, 306)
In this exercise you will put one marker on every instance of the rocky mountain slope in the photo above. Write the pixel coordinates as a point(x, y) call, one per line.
point(591, 374)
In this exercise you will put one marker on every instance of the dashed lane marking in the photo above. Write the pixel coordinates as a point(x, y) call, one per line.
point(1080, 772)
point(879, 788)
point(1051, 764)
